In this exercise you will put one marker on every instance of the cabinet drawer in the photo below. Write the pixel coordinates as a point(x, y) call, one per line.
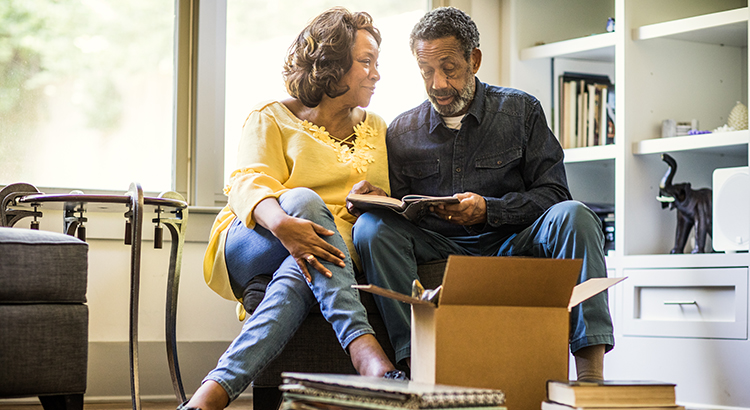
point(700, 303)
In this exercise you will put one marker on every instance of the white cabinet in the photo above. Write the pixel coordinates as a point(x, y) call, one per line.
point(705, 303)
point(669, 59)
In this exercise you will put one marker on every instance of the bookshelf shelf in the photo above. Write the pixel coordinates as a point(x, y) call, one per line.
point(724, 28)
point(722, 142)
point(667, 261)
point(669, 59)
point(590, 154)
point(596, 47)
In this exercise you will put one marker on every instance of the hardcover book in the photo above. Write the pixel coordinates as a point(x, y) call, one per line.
point(549, 405)
point(611, 393)
point(411, 207)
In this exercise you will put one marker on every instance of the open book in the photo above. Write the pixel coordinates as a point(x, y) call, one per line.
point(412, 207)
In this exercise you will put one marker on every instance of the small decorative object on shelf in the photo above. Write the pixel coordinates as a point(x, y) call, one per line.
point(694, 208)
point(672, 128)
point(610, 25)
point(738, 117)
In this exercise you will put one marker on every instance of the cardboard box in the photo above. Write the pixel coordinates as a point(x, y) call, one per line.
point(500, 323)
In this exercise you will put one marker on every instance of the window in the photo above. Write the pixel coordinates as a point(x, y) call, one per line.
point(86, 93)
point(87, 87)
point(259, 33)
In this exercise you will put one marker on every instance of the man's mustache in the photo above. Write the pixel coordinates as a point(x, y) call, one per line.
point(443, 93)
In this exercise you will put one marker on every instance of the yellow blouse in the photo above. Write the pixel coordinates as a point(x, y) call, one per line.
point(277, 152)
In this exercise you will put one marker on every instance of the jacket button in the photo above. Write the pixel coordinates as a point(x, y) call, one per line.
point(458, 169)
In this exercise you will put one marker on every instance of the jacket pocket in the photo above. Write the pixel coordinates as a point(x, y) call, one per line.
point(421, 170)
point(499, 160)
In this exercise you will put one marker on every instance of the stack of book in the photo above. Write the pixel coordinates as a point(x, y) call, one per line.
point(587, 110)
point(312, 391)
point(610, 395)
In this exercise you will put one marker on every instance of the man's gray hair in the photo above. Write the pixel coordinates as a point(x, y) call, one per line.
point(446, 22)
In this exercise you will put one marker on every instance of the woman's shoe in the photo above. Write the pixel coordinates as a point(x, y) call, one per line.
point(184, 406)
point(395, 375)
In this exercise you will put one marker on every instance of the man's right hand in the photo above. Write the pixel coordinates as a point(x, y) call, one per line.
point(363, 188)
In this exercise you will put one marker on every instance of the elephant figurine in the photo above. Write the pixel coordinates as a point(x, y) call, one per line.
point(693, 208)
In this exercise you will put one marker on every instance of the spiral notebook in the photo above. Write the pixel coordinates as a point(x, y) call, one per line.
point(359, 392)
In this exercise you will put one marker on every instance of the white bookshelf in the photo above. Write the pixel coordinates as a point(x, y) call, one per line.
point(672, 59)
point(596, 47)
point(727, 27)
point(590, 154)
point(734, 142)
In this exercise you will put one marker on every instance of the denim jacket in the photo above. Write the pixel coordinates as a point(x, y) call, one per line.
point(504, 151)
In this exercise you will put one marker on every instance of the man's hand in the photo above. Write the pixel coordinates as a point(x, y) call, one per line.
point(363, 188)
point(471, 210)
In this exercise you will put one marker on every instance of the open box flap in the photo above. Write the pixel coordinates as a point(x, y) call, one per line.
point(377, 290)
point(590, 288)
point(509, 281)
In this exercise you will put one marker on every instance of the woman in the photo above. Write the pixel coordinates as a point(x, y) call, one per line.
point(297, 160)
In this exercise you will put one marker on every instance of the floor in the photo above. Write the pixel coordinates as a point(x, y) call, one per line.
point(241, 404)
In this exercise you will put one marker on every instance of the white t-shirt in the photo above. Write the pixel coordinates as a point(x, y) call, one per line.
point(454, 123)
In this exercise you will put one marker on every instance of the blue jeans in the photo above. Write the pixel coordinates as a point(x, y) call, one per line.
point(289, 296)
point(391, 248)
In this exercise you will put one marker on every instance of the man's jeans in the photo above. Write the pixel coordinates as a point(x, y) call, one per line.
point(289, 297)
point(391, 247)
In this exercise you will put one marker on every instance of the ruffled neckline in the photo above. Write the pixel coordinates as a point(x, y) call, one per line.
point(358, 154)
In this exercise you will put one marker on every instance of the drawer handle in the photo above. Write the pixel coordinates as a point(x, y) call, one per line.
point(680, 302)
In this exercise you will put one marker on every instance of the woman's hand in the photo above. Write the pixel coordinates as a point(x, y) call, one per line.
point(302, 238)
point(363, 188)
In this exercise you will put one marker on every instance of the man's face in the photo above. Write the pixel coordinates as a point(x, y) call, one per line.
point(448, 77)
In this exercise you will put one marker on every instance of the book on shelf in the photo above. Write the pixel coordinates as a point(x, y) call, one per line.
point(586, 116)
point(611, 393)
point(412, 207)
point(549, 405)
point(346, 391)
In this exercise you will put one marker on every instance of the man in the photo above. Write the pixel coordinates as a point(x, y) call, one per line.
point(490, 147)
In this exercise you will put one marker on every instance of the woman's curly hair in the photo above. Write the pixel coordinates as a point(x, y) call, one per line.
point(446, 22)
point(322, 53)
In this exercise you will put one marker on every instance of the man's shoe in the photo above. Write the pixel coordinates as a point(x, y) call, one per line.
point(395, 375)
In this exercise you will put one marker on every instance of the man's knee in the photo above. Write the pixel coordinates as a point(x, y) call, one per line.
point(576, 216)
point(367, 228)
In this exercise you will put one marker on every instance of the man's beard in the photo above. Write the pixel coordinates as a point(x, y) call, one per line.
point(461, 99)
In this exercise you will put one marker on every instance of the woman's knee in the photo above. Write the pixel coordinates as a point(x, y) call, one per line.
point(303, 203)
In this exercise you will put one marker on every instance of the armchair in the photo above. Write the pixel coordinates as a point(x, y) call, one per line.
point(43, 317)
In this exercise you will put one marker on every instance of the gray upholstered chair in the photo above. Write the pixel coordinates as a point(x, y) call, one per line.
point(315, 349)
point(43, 317)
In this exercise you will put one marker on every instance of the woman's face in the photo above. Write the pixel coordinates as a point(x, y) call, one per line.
point(363, 74)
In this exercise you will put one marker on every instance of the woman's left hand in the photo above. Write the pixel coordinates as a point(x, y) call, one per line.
point(302, 239)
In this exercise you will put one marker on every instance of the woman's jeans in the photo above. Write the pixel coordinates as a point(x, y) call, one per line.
point(391, 247)
point(288, 297)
